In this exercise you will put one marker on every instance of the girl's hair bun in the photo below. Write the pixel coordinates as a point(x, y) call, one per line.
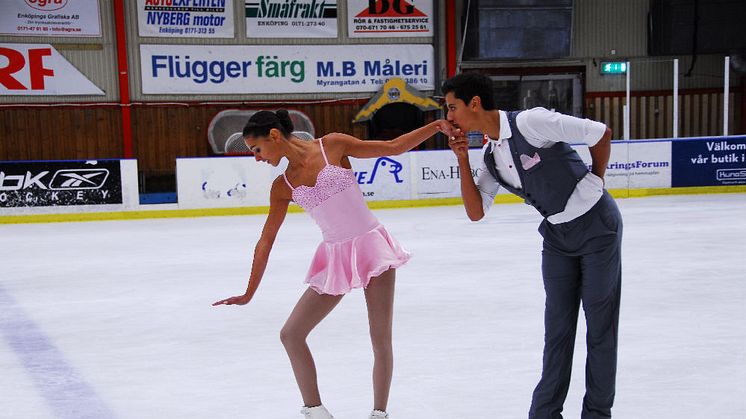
point(285, 120)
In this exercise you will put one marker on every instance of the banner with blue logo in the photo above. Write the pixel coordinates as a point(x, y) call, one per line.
point(185, 18)
point(224, 182)
point(709, 161)
point(384, 178)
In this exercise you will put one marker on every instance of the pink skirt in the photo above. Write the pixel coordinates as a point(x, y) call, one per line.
point(338, 267)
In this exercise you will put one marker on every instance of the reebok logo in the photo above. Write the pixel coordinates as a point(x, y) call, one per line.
point(62, 180)
point(79, 179)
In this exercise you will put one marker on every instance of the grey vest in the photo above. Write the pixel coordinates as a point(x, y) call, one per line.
point(548, 184)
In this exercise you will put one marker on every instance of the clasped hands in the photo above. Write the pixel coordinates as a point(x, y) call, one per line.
point(457, 139)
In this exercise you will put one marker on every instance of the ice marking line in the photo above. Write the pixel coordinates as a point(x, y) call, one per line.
point(64, 390)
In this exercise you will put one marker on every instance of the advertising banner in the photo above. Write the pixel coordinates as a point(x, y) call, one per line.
point(75, 18)
point(635, 164)
point(185, 18)
point(223, 182)
point(39, 69)
point(60, 183)
point(389, 18)
point(648, 163)
point(437, 175)
point(242, 181)
point(714, 161)
point(431, 174)
point(631, 165)
point(291, 19)
point(243, 69)
point(384, 178)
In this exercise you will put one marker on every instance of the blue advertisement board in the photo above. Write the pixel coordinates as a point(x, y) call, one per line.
point(713, 161)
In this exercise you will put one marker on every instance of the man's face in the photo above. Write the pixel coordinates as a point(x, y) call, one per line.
point(459, 113)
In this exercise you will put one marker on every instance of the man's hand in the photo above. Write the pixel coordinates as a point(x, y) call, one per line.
point(469, 192)
point(460, 146)
point(600, 154)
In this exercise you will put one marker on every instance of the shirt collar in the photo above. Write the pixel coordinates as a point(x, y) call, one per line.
point(505, 131)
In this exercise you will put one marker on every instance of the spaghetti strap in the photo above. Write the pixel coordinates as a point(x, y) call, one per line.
point(288, 182)
point(321, 144)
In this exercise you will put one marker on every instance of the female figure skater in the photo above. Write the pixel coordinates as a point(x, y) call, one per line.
point(357, 251)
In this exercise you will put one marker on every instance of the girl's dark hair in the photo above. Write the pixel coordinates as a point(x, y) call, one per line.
point(261, 122)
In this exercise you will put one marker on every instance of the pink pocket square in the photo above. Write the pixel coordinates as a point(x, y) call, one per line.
point(529, 162)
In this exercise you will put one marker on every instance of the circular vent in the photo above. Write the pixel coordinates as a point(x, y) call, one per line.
point(225, 130)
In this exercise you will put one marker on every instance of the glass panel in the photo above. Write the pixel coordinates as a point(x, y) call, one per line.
point(519, 30)
point(525, 3)
point(558, 93)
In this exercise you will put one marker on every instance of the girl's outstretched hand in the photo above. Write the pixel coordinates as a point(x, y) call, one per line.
point(448, 129)
point(237, 300)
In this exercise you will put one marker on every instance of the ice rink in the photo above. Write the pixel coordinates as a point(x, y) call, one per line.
point(113, 319)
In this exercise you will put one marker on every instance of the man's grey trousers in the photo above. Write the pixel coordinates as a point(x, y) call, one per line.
point(581, 262)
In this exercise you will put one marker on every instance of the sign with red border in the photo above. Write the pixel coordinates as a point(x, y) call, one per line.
point(390, 18)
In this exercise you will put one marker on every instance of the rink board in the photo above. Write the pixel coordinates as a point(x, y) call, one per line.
point(241, 185)
point(68, 186)
point(415, 176)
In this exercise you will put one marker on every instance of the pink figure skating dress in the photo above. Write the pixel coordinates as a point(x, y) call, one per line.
point(356, 246)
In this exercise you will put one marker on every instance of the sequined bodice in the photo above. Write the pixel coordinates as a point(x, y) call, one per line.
point(330, 181)
point(335, 202)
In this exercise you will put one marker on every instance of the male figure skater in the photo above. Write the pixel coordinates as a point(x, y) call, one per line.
point(528, 154)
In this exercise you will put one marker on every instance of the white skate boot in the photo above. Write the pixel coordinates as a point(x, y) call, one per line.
point(318, 412)
point(378, 414)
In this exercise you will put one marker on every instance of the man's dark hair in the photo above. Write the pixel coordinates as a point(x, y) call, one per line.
point(467, 85)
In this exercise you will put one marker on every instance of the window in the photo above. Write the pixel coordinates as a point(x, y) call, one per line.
point(558, 92)
point(518, 29)
point(716, 25)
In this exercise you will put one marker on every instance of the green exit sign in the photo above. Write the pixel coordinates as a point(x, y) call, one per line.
point(613, 67)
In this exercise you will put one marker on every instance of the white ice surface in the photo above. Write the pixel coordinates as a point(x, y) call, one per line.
point(126, 304)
